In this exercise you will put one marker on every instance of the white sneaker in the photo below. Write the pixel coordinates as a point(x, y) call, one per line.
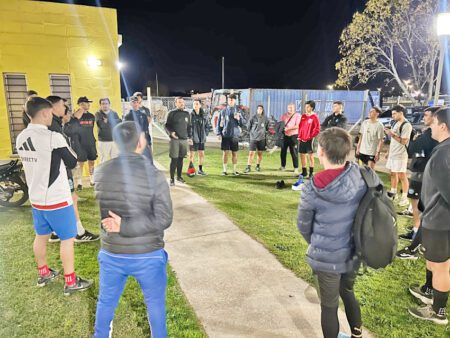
point(282, 169)
point(296, 171)
point(404, 202)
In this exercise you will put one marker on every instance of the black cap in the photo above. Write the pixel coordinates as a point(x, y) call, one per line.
point(232, 96)
point(83, 99)
point(138, 94)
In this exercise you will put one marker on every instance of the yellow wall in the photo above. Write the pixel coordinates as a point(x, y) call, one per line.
point(40, 38)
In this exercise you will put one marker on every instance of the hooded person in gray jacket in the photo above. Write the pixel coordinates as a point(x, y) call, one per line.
point(326, 213)
point(257, 127)
point(136, 208)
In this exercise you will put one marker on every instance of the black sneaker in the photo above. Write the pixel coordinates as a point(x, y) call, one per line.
point(409, 236)
point(235, 173)
point(80, 285)
point(181, 179)
point(407, 253)
point(424, 294)
point(427, 313)
point(86, 237)
point(53, 238)
point(258, 168)
point(79, 187)
point(391, 195)
point(224, 173)
point(43, 281)
point(247, 170)
point(201, 173)
point(407, 213)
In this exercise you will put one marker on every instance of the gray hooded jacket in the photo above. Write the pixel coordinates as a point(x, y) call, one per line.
point(132, 187)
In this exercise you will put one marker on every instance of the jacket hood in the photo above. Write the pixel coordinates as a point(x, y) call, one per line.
point(344, 186)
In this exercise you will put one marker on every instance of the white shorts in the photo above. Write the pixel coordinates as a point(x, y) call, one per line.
point(397, 165)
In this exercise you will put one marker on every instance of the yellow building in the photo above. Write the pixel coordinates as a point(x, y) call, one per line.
point(54, 49)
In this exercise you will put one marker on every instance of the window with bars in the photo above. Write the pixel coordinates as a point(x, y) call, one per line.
point(60, 86)
point(16, 92)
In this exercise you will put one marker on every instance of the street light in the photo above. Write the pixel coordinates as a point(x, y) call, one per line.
point(120, 65)
point(94, 62)
point(443, 30)
point(330, 87)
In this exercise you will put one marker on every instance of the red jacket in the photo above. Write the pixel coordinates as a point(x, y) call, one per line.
point(309, 127)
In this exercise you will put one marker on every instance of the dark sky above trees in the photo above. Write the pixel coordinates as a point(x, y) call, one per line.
point(273, 44)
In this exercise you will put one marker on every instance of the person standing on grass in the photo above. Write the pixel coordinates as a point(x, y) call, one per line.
point(257, 128)
point(308, 129)
point(45, 155)
point(199, 125)
point(177, 127)
point(371, 137)
point(290, 139)
point(60, 112)
point(420, 150)
point(143, 108)
point(325, 219)
point(88, 150)
point(106, 119)
point(228, 130)
point(397, 157)
point(435, 196)
point(141, 120)
point(337, 118)
point(135, 208)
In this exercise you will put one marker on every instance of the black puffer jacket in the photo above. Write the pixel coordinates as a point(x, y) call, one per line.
point(132, 187)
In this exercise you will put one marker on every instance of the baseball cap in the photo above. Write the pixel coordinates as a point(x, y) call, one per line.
point(134, 99)
point(138, 94)
point(83, 99)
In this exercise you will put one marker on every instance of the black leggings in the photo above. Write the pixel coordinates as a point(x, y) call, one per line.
point(331, 286)
point(290, 142)
point(176, 164)
point(417, 239)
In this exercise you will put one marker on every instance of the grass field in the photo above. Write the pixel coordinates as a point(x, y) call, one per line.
point(28, 311)
point(269, 216)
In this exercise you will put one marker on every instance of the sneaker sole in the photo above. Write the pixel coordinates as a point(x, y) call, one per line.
point(86, 240)
point(41, 285)
point(434, 320)
point(412, 258)
point(423, 299)
point(72, 292)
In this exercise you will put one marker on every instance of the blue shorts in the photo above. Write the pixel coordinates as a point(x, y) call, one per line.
point(61, 221)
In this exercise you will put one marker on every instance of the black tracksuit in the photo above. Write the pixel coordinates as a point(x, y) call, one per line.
point(334, 120)
point(105, 128)
point(199, 125)
point(178, 122)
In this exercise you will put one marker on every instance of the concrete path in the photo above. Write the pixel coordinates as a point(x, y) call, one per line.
point(236, 287)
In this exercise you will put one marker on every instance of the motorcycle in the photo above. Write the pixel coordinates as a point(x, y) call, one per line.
point(13, 189)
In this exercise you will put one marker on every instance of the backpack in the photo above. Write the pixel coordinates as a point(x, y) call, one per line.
point(413, 132)
point(375, 224)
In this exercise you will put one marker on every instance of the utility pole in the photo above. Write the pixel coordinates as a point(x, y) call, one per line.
point(223, 72)
point(157, 85)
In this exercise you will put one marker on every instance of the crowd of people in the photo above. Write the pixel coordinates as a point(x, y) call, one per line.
point(136, 207)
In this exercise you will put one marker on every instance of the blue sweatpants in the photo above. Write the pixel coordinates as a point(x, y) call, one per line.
point(149, 269)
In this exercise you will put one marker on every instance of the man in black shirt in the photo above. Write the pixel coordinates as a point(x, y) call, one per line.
point(106, 120)
point(337, 118)
point(88, 150)
point(177, 126)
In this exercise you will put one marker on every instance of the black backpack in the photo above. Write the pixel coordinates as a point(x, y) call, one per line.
point(375, 225)
point(413, 132)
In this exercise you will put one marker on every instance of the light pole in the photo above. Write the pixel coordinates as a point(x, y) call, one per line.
point(443, 30)
point(223, 72)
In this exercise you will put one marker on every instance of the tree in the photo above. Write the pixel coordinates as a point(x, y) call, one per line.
point(394, 39)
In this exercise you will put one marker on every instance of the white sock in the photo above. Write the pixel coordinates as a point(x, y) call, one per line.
point(393, 190)
point(404, 195)
point(234, 167)
point(415, 230)
point(80, 229)
point(224, 167)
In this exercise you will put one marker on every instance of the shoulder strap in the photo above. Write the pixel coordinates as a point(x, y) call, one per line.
point(367, 176)
point(401, 127)
point(289, 119)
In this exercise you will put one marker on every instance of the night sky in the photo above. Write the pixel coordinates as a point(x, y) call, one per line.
point(276, 44)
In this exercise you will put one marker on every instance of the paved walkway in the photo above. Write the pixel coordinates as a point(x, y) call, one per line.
point(236, 287)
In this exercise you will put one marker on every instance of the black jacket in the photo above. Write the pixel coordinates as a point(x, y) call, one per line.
point(420, 151)
point(106, 123)
point(141, 121)
point(436, 189)
point(334, 121)
point(199, 126)
point(257, 127)
point(178, 122)
point(72, 131)
point(132, 187)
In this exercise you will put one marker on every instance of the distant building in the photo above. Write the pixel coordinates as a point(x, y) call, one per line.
point(54, 49)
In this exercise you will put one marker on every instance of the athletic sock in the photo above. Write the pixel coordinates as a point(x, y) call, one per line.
point(224, 168)
point(80, 228)
point(200, 167)
point(234, 168)
point(257, 165)
point(393, 191)
point(428, 281)
point(304, 172)
point(440, 302)
point(43, 270)
point(70, 279)
point(404, 195)
point(311, 171)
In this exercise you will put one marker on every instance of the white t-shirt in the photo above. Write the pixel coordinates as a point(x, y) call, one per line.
point(46, 174)
point(398, 151)
point(371, 135)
